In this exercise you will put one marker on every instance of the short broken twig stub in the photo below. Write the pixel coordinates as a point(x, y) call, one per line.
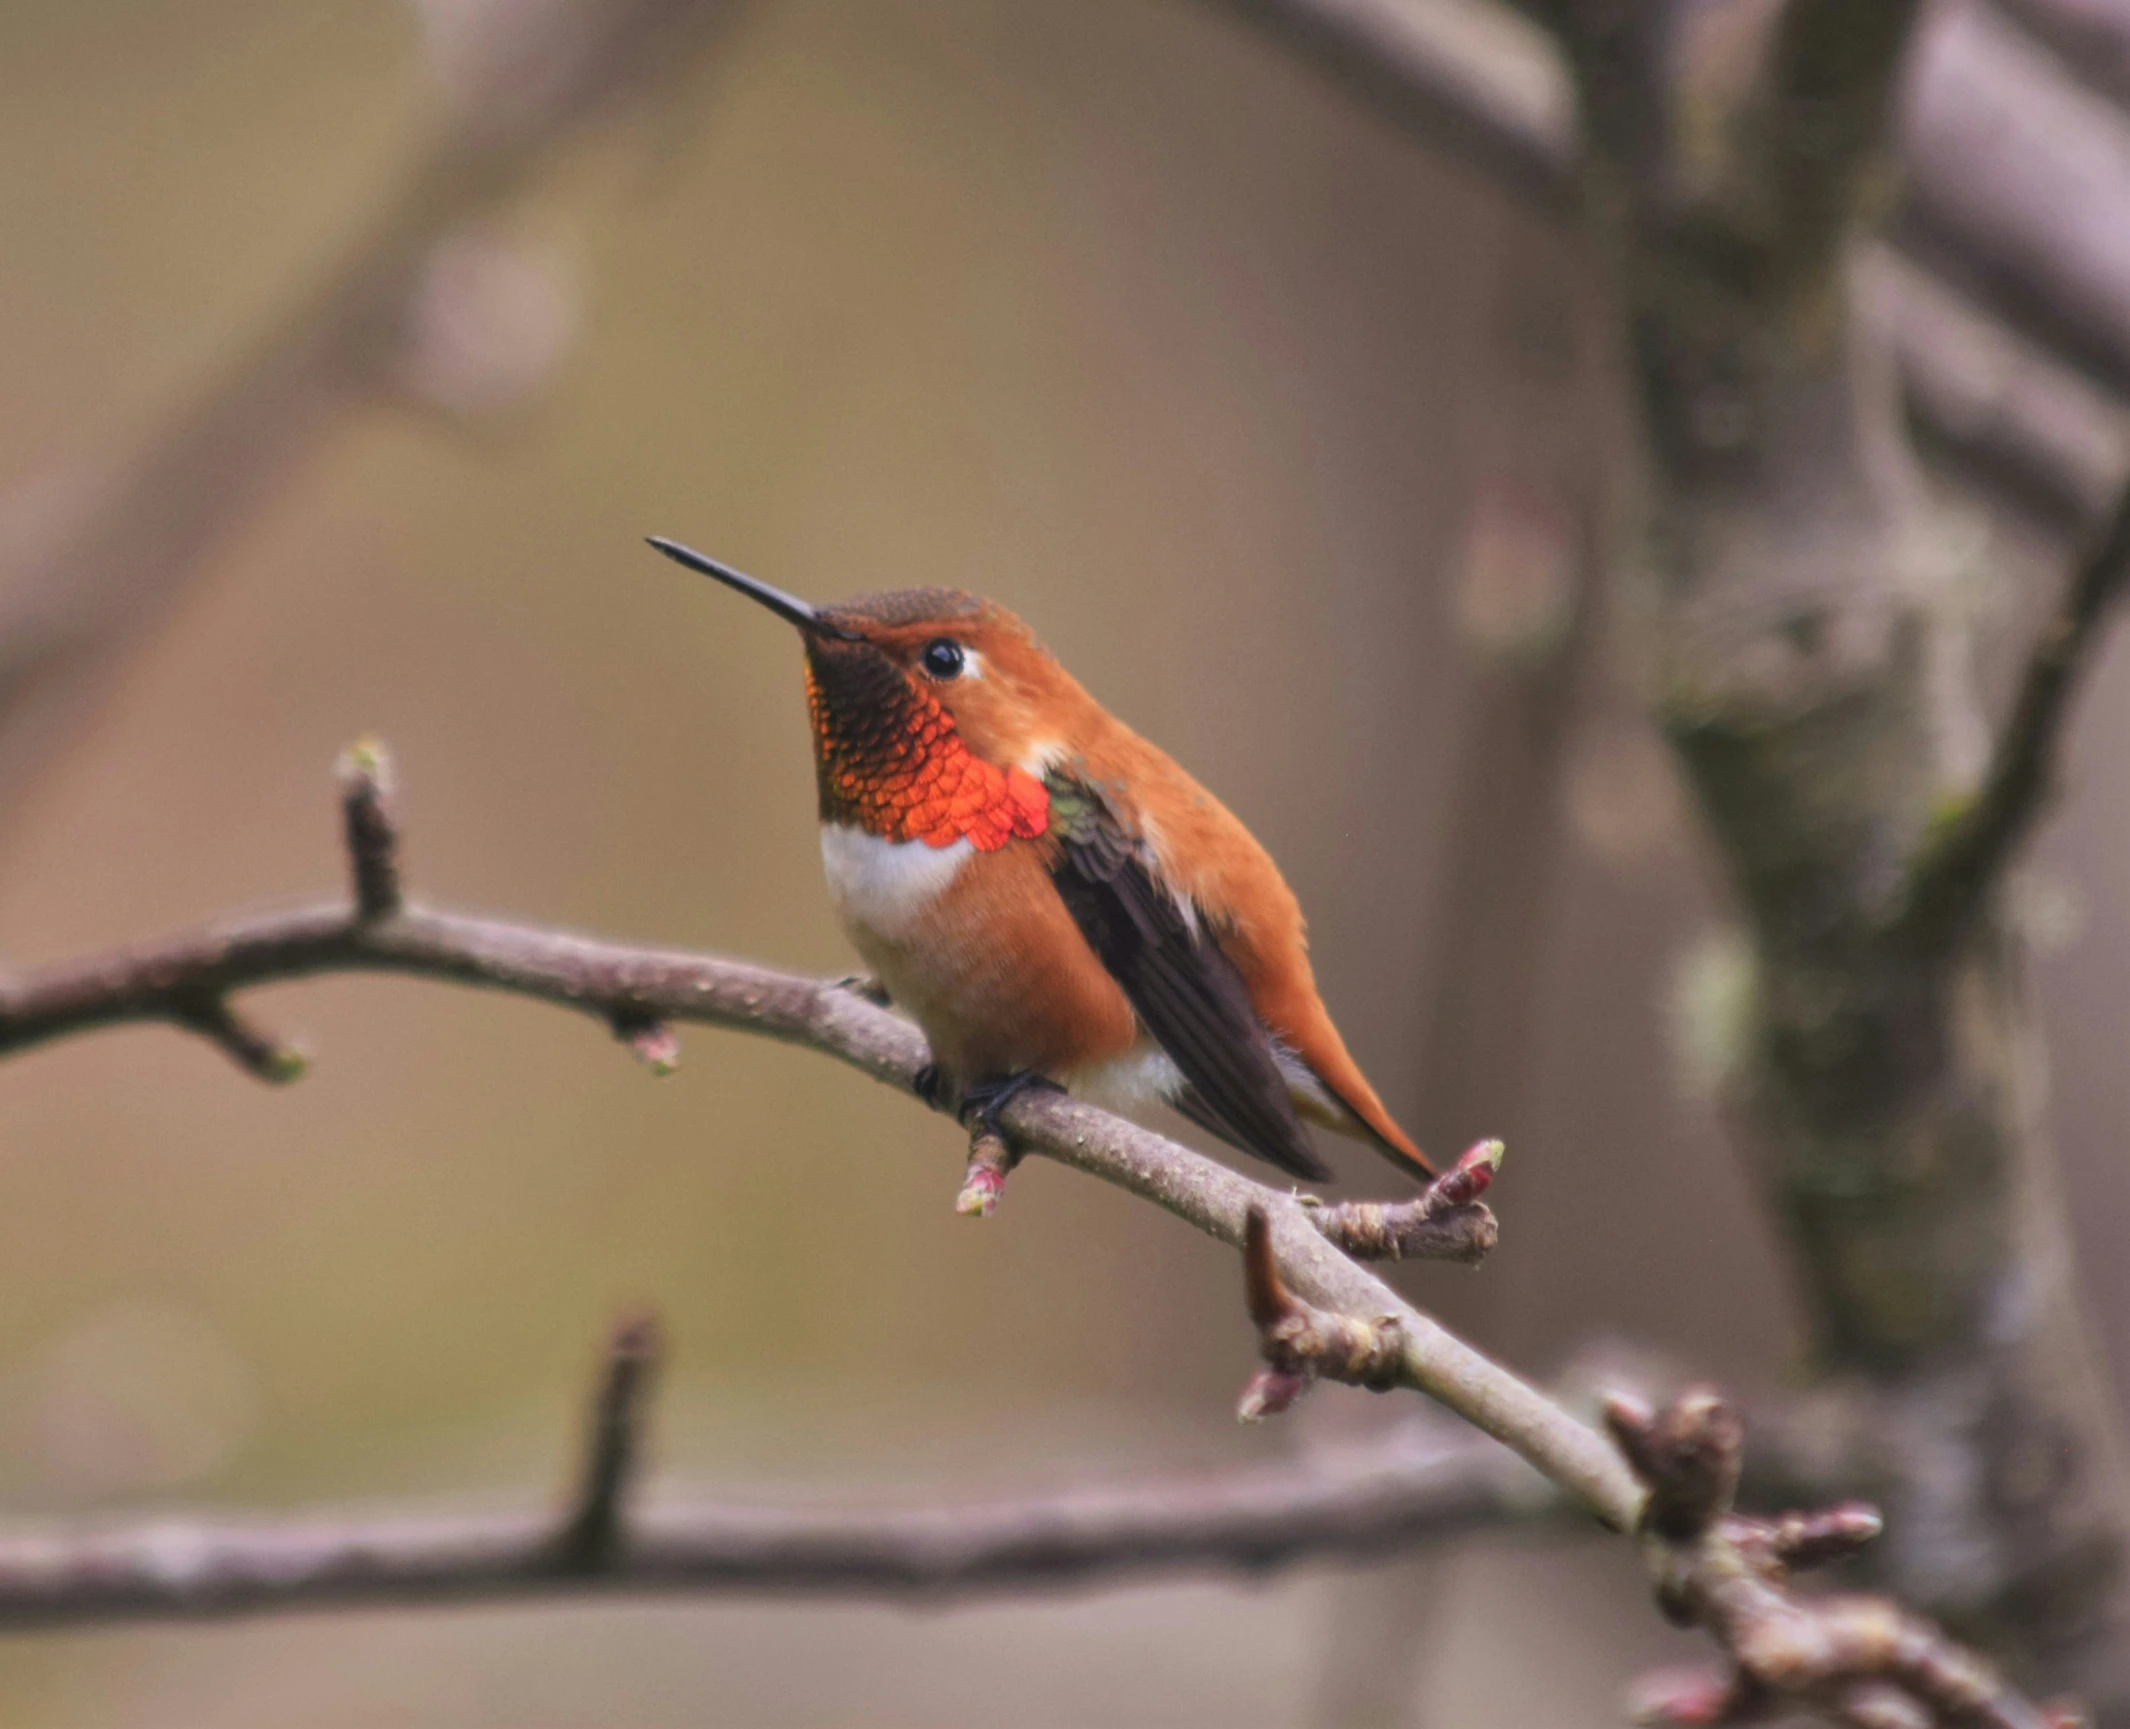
point(1302, 1344)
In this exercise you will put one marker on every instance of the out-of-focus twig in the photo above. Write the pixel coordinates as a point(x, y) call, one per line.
point(1967, 857)
point(2091, 38)
point(2018, 418)
point(1356, 1504)
point(521, 81)
point(592, 1534)
point(2018, 184)
point(1469, 78)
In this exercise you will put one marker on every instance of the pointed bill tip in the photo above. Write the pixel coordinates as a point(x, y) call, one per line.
point(788, 607)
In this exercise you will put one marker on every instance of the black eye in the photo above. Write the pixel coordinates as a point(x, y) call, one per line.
point(942, 658)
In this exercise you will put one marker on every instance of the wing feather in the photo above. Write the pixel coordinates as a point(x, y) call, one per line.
point(1187, 992)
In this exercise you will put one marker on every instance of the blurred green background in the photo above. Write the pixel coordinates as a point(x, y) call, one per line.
point(1106, 310)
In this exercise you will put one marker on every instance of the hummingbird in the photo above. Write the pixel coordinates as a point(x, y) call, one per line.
point(1049, 896)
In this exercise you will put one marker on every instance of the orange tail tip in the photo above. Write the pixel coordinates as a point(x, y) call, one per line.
point(1387, 1136)
point(1362, 1112)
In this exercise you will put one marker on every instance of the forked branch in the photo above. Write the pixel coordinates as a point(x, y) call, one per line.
point(1859, 1661)
point(1428, 1482)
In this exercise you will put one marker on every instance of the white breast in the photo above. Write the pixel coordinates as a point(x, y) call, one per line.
point(885, 886)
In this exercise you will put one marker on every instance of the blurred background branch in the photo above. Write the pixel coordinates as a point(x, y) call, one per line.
point(1429, 1482)
point(2016, 181)
point(422, 305)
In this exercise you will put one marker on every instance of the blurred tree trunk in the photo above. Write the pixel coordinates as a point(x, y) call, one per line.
point(1795, 623)
point(1524, 592)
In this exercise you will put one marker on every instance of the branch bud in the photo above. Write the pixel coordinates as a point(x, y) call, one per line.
point(1690, 1456)
point(990, 1162)
point(651, 1041)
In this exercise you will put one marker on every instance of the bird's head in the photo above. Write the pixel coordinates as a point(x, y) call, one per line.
point(935, 713)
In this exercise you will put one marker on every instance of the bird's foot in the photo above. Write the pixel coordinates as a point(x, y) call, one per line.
point(866, 986)
point(980, 1105)
point(991, 1158)
point(930, 1085)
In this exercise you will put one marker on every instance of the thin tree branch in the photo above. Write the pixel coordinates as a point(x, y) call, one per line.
point(186, 982)
point(1350, 1506)
point(1429, 1481)
point(1859, 1661)
point(1966, 859)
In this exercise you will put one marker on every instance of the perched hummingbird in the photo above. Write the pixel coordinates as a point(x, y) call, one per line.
point(1048, 895)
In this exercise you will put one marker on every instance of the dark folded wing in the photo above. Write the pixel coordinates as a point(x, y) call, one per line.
point(1187, 992)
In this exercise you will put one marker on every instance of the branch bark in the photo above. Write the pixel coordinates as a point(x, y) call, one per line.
point(1858, 1661)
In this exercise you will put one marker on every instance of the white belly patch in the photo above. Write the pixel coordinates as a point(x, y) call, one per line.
point(1130, 1083)
point(885, 886)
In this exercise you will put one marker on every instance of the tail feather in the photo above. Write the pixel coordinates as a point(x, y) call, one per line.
point(1351, 1109)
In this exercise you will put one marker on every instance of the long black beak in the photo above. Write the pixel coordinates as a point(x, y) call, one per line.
point(785, 606)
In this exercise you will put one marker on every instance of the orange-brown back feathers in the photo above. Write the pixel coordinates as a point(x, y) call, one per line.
point(909, 756)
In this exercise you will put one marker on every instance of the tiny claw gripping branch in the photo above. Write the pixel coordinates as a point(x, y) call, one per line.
point(991, 1156)
point(1859, 1661)
point(1446, 1222)
point(1302, 1344)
